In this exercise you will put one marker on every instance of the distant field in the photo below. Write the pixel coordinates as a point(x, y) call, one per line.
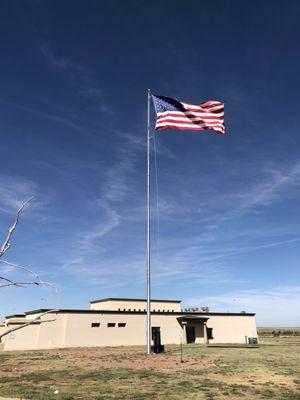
point(264, 332)
point(270, 371)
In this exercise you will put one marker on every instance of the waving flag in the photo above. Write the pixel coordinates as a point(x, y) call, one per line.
point(172, 114)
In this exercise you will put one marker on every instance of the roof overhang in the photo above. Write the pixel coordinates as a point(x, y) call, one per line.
point(187, 317)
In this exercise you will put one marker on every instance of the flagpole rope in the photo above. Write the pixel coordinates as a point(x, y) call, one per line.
point(157, 200)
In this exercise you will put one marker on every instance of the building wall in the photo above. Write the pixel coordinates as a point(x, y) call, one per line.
point(74, 329)
point(134, 333)
point(135, 305)
point(2, 328)
point(232, 329)
point(49, 334)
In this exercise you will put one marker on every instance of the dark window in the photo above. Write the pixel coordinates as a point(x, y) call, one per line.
point(95, 324)
point(121, 325)
point(210, 333)
point(111, 324)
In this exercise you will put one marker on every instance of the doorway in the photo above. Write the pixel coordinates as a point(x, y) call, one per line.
point(190, 334)
point(157, 346)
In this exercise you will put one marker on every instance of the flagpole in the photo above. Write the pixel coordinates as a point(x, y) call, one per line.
point(148, 232)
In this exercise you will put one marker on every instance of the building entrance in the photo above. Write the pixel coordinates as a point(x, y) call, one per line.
point(190, 334)
point(157, 346)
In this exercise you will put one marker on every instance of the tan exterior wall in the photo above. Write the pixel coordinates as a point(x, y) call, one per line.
point(48, 334)
point(232, 329)
point(74, 329)
point(2, 328)
point(133, 334)
point(135, 305)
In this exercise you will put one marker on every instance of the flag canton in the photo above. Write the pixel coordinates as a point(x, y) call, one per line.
point(163, 104)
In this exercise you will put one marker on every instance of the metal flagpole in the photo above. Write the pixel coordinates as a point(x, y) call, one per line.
point(148, 232)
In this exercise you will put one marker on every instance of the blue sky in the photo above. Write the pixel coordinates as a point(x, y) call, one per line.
point(74, 79)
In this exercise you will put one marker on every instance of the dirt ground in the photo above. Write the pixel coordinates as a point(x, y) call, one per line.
point(270, 370)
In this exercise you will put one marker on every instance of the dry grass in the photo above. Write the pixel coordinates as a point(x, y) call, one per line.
point(270, 371)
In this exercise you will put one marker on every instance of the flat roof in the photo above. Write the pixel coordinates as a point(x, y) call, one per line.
point(128, 299)
point(179, 313)
point(15, 316)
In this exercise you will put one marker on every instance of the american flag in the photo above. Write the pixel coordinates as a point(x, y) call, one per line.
point(172, 114)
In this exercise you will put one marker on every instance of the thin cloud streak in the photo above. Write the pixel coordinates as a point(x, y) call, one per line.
point(266, 191)
point(53, 117)
point(14, 191)
point(87, 86)
point(269, 303)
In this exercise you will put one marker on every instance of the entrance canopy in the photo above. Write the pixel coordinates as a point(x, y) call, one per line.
point(195, 318)
point(194, 328)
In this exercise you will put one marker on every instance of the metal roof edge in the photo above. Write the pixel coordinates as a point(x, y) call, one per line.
point(180, 313)
point(15, 316)
point(129, 299)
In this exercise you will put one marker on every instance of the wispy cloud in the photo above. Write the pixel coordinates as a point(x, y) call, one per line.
point(108, 208)
point(50, 116)
point(90, 240)
point(139, 141)
point(278, 306)
point(81, 76)
point(14, 191)
point(58, 63)
point(202, 257)
point(268, 190)
point(267, 186)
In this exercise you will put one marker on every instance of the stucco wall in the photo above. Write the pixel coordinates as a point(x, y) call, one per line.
point(232, 329)
point(80, 333)
point(74, 329)
point(135, 305)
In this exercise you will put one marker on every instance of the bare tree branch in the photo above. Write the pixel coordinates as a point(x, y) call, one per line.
point(6, 245)
point(29, 323)
point(17, 266)
point(8, 280)
point(17, 283)
point(5, 279)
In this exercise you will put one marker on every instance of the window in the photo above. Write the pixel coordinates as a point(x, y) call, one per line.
point(111, 324)
point(95, 325)
point(121, 325)
point(210, 333)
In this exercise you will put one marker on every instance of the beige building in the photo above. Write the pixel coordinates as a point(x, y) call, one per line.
point(122, 322)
